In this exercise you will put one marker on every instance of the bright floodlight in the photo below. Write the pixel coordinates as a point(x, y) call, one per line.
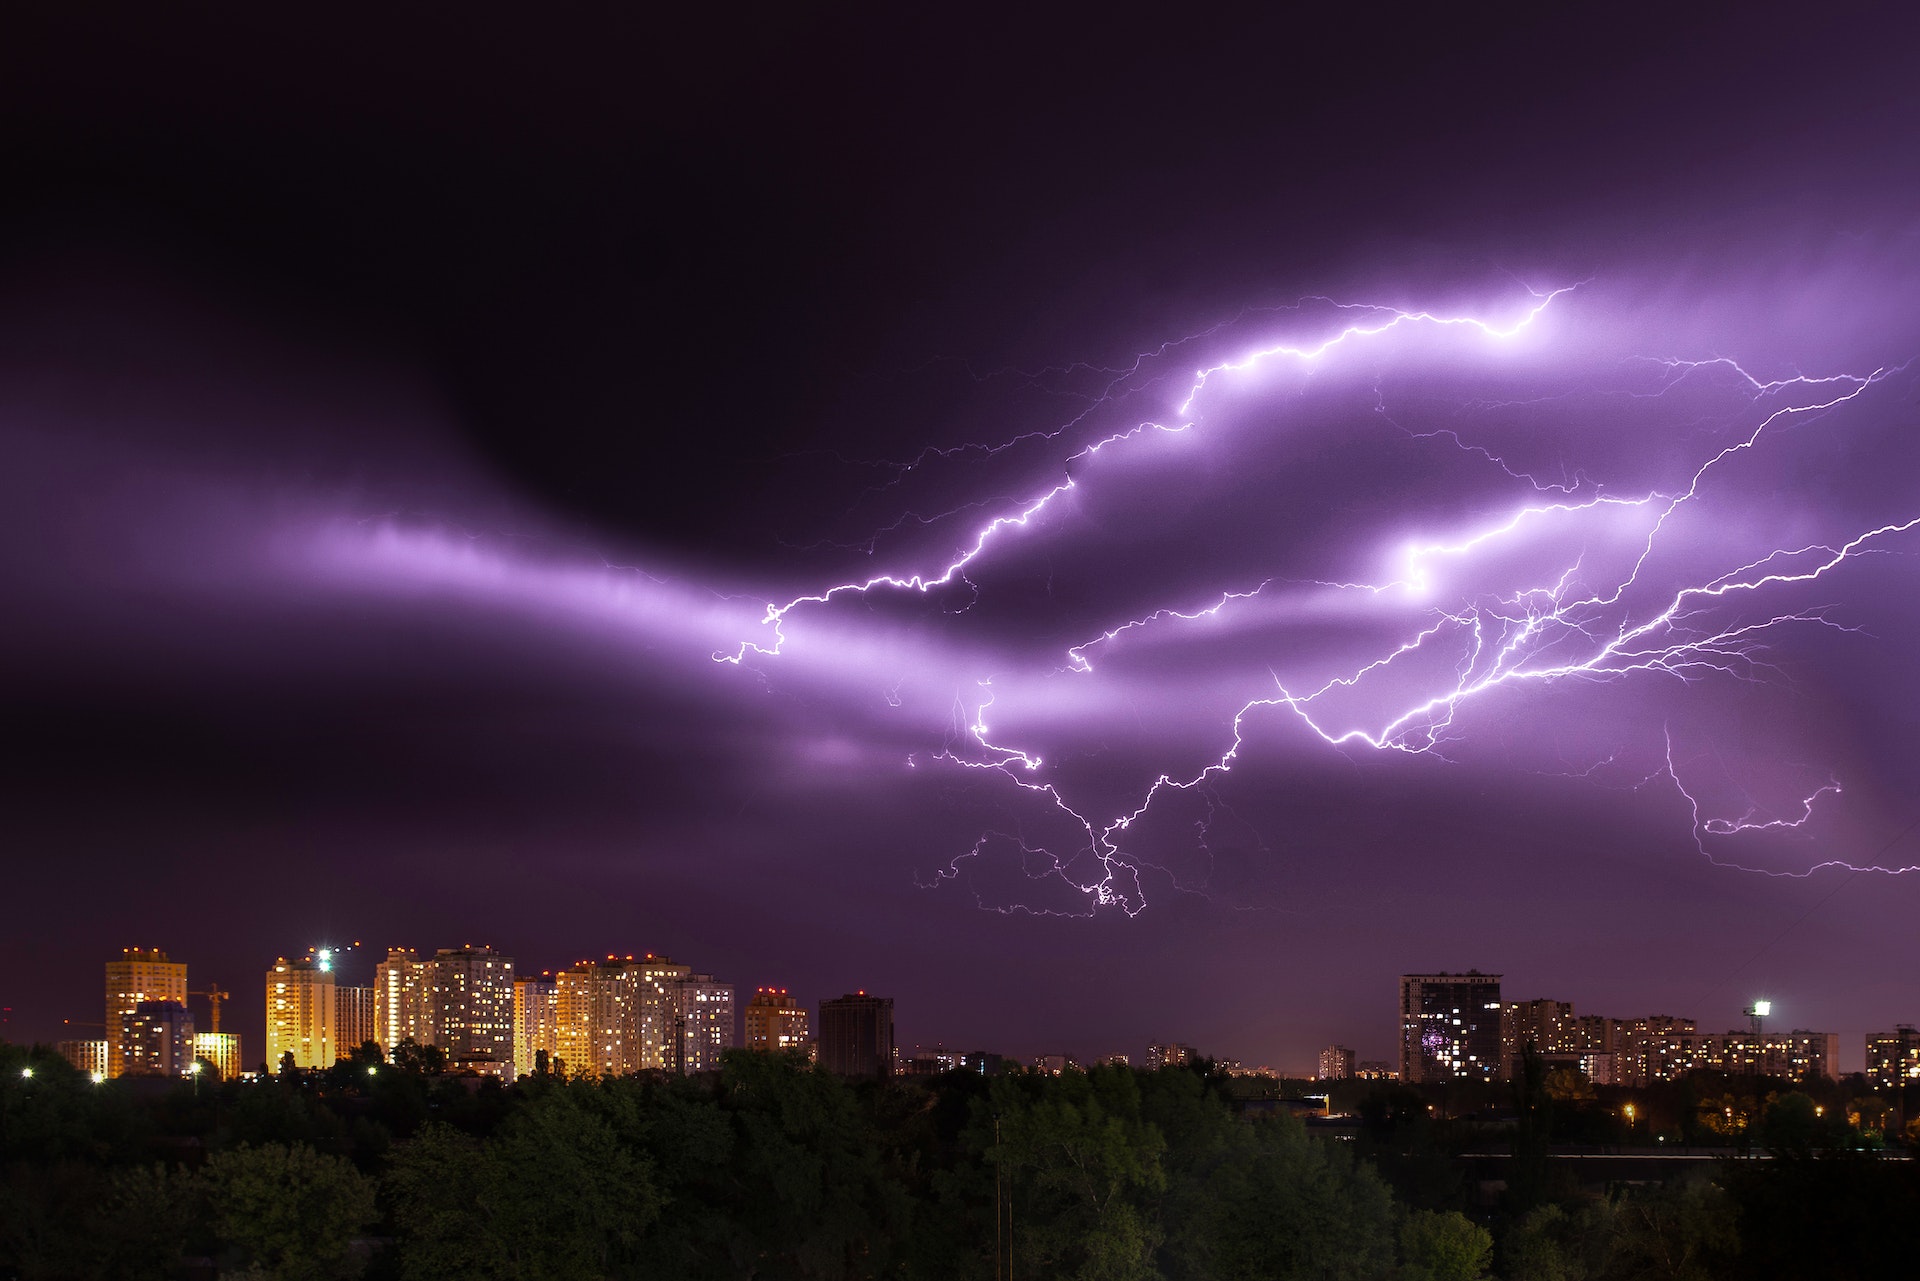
point(1763, 1008)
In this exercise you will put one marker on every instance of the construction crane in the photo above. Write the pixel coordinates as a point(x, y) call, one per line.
point(214, 996)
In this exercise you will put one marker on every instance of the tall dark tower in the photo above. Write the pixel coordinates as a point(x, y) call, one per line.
point(856, 1036)
point(1449, 1027)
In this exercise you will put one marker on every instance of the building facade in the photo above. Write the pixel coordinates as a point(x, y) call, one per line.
point(1893, 1058)
point(1173, 1054)
point(156, 1039)
point(536, 1022)
point(775, 1022)
point(354, 1017)
point(856, 1035)
point(1449, 1026)
point(1543, 1026)
point(593, 1019)
point(300, 1011)
point(1336, 1063)
point(141, 974)
point(1642, 1052)
point(222, 1049)
point(704, 1024)
point(400, 1000)
point(88, 1056)
point(470, 1010)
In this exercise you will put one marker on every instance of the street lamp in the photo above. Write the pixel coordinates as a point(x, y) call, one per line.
point(193, 1070)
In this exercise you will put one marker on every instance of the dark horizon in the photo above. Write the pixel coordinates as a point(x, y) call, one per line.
point(407, 423)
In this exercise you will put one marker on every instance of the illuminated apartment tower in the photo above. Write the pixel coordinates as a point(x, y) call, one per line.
point(1449, 1027)
point(1545, 1026)
point(300, 1009)
point(775, 1021)
point(222, 1049)
point(470, 1009)
point(353, 1018)
point(400, 999)
point(657, 1011)
point(1336, 1063)
point(536, 1021)
point(1643, 1048)
point(856, 1035)
point(1893, 1058)
point(703, 1023)
point(141, 974)
point(156, 1039)
point(595, 1030)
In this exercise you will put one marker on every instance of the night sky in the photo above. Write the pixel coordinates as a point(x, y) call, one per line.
point(432, 449)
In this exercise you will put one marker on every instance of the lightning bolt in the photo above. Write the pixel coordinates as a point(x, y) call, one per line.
point(1575, 622)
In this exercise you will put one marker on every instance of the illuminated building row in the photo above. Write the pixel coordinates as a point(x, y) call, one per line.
point(1455, 1026)
point(623, 1015)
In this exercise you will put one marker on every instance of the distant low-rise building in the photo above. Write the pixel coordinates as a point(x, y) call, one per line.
point(222, 1049)
point(1170, 1054)
point(984, 1063)
point(88, 1056)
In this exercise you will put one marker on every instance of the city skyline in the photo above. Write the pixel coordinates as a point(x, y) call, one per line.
point(1136, 533)
point(1549, 1023)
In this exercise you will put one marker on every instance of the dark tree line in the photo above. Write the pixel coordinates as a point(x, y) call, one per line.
point(770, 1169)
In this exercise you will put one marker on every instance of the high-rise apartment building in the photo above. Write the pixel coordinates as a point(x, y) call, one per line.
point(400, 999)
point(1642, 1050)
point(354, 1017)
point(470, 1009)
point(300, 1012)
point(598, 1020)
point(141, 974)
point(536, 1021)
point(222, 1049)
point(703, 1023)
point(856, 1035)
point(1336, 1063)
point(1893, 1058)
point(640, 1014)
point(1449, 1026)
point(1543, 1026)
point(656, 1011)
point(775, 1022)
point(156, 1039)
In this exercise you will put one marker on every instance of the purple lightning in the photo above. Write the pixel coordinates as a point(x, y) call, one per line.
point(1573, 621)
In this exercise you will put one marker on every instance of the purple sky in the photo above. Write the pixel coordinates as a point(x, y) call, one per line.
point(1443, 487)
